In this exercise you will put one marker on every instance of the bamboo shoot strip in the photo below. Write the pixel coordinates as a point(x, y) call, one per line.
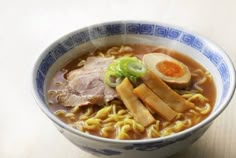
point(169, 96)
point(154, 102)
point(133, 104)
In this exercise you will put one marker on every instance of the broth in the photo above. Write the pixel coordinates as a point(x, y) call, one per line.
point(119, 122)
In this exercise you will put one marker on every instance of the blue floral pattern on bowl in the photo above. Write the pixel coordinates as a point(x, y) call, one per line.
point(133, 28)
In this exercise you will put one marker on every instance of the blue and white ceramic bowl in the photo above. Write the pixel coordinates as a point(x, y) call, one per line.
point(213, 58)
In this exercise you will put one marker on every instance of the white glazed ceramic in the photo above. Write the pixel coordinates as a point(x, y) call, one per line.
point(213, 58)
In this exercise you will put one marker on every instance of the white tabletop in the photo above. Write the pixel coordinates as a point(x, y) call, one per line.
point(27, 27)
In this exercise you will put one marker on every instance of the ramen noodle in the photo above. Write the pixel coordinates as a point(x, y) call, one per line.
point(147, 106)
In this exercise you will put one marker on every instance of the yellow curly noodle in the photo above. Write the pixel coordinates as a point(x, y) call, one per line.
point(108, 124)
point(123, 132)
point(129, 128)
point(52, 93)
point(113, 120)
point(105, 131)
point(70, 116)
point(93, 124)
point(101, 54)
point(75, 109)
point(117, 51)
point(81, 63)
point(205, 110)
point(60, 113)
point(153, 130)
point(175, 127)
point(203, 77)
point(103, 113)
point(86, 115)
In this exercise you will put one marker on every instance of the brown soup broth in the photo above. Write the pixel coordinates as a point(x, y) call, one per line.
point(139, 50)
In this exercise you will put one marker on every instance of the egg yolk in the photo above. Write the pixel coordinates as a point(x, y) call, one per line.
point(170, 69)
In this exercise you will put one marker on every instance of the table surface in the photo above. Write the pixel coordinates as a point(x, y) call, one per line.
point(27, 27)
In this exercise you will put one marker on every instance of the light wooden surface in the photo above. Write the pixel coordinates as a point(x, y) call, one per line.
point(27, 27)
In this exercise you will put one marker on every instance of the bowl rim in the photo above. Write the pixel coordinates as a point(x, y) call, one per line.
point(173, 137)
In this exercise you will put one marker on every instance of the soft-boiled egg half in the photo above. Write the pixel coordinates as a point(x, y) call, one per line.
point(175, 73)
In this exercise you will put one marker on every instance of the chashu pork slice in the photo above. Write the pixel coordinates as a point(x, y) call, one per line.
point(86, 85)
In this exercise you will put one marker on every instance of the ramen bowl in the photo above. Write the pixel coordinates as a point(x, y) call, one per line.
point(208, 54)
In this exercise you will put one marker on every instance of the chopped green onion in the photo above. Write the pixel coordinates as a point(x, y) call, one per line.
point(114, 67)
point(132, 67)
point(133, 79)
point(129, 67)
point(111, 79)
